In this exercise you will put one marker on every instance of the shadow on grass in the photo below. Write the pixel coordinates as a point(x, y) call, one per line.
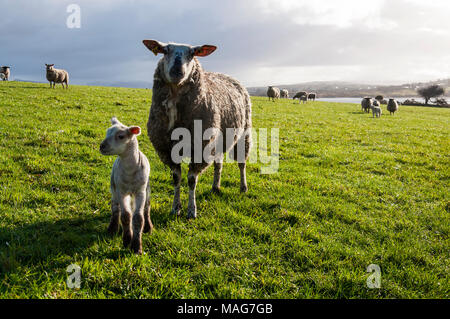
point(34, 243)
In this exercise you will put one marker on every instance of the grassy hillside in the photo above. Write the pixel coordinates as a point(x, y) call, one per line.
point(351, 191)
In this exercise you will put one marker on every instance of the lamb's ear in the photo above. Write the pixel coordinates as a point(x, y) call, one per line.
point(135, 130)
point(114, 121)
point(155, 46)
point(204, 50)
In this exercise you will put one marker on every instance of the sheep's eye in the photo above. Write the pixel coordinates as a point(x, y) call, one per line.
point(120, 137)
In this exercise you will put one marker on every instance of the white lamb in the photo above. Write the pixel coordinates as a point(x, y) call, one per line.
point(129, 184)
point(376, 109)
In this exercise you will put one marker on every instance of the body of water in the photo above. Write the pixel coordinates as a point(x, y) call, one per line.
point(357, 100)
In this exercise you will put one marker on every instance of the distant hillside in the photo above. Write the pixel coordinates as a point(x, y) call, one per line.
point(348, 89)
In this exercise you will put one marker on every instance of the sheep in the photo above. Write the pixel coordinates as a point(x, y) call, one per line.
point(273, 93)
point(312, 96)
point(183, 93)
point(298, 95)
point(284, 93)
point(130, 188)
point(366, 104)
point(376, 109)
point(392, 106)
point(56, 76)
point(5, 73)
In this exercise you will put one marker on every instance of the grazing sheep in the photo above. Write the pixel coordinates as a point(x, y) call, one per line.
point(5, 73)
point(273, 92)
point(312, 96)
point(366, 104)
point(284, 94)
point(299, 94)
point(182, 93)
point(376, 109)
point(130, 188)
point(56, 76)
point(392, 106)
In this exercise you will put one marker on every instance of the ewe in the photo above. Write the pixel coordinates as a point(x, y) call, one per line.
point(185, 95)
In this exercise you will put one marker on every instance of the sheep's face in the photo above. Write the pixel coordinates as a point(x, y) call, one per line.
point(178, 60)
point(118, 137)
point(49, 67)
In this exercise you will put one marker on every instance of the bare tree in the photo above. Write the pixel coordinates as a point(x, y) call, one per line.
point(428, 92)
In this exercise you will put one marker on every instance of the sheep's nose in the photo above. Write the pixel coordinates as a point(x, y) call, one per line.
point(102, 147)
point(176, 72)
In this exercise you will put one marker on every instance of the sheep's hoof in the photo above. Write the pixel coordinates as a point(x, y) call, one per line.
point(113, 228)
point(148, 227)
point(126, 239)
point(244, 189)
point(175, 212)
point(216, 190)
point(192, 213)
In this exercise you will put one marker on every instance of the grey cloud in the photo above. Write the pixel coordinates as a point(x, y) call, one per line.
point(108, 47)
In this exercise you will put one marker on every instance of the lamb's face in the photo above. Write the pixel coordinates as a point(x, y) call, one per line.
point(118, 136)
point(178, 60)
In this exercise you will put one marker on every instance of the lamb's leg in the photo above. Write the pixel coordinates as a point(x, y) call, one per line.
point(138, 222)
point(217, 174)
point(176, 175)
point(113, 227)
point(148, 226)
point(125, 218)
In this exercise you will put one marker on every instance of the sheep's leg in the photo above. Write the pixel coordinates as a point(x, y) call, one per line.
point(138, 222)
point(244, 187)
point(176, 175)
point(217, 174)
point(192, 183)
point(125, 218)
point(246, 139)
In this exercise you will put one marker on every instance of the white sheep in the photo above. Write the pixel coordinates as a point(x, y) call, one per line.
point(5, 73)
point(284, 94)
point(273, 93)
point(130, 188)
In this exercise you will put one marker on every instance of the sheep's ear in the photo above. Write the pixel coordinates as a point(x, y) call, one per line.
point(135, 130)
point(204, 50)
point(114, 121)
point(155, 46)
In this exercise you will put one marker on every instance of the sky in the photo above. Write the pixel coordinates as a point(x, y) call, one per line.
point(260, 42)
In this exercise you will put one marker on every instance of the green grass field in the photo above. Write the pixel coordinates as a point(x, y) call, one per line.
point(350, 191)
